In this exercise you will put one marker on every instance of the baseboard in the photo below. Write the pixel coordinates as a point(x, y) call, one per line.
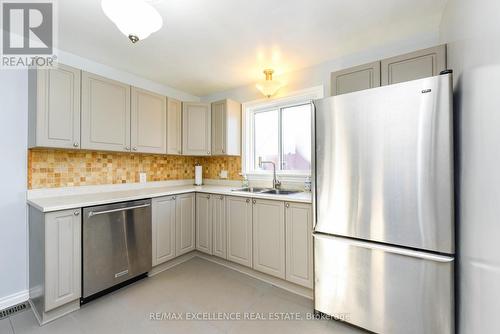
point(172, 263)
point(14, 299)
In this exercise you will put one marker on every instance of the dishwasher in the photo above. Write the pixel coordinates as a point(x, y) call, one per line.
point(116, 246)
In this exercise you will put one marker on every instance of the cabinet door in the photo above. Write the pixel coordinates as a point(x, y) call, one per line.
point(414, 65)
point(269, 237)
point(239, 230)
point(184, 224)
point(105, 114)
point(55, 108)
point(355, 79)
point(196, 128)
point(62, 258)
point(148, 122)
point(299, 248)
point(218, 205)
point(163, 229)
point(226, 128)
point(174, 126)
point(203, 223)
point(218, 128)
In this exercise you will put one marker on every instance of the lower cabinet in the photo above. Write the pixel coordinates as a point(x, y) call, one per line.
point(239, 230)
point(219, 235)
point(163, 228)
point(269, 237)
point(184, 223)
point(299, 247)
point(204, 223)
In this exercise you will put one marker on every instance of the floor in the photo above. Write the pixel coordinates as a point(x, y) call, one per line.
point(194, 286)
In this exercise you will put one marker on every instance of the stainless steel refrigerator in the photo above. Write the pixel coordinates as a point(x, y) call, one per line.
point(384, 223)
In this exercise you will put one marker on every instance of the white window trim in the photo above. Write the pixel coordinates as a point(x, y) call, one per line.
point(248, 108)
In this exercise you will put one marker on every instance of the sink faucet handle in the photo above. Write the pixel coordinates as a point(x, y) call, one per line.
point(260, 162)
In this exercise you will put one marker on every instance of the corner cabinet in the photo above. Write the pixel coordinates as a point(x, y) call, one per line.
point(54, 107)
point(174, 126)
point(105, 114)
point(239, 230)
point(204, 223)
point(269, 237)
point(148, 133)
point(185, 223)
point(226, 128)
point(54, 262)
point(196, 129)
point(299, 244)
point(163, 216)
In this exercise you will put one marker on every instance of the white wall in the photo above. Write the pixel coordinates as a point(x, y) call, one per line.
point(320, 74)
point(472, 29)
point(14, 143)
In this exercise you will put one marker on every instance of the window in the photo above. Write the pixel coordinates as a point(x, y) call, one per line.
point(279, 130)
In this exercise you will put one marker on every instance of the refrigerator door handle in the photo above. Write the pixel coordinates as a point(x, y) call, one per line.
point(390, 249)
point(313, 163)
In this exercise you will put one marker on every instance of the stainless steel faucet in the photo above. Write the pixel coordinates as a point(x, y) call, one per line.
point(276, 183)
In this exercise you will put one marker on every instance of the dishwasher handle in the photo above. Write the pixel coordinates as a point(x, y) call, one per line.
point(92, 213)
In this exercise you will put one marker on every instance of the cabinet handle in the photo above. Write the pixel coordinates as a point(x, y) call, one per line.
point(248, 200)
point(287, 205)
point(76, 213)
point(254, 201)
point(75, 144)
point(127, 148)
point(208, 197)
point(221, 198)
point(174, 197)
point(135, 148)
point(208, 152)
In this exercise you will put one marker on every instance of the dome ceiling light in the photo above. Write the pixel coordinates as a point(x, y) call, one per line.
point(269, 87)
point(136, 19)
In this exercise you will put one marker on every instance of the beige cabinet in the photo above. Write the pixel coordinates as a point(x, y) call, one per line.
point(184, 223)
point(62, 258)
point(174, 126)
point(239, 230)
point(269, 237)
point(105, 114)
point(196, 128)
point(203, 223)
point(355, 78)
point(163, 216)
point(219, 235)
point(148, 131)
point(414, 65)
point(299, 248)
point(54, 107)
point(226, 128)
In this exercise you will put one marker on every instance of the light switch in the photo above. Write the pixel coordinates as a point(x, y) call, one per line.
point(223, 174)
point(143, 177)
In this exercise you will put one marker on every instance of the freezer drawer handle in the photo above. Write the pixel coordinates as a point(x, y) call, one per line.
point(92, 213)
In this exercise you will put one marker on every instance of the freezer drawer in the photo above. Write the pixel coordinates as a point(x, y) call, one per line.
point(384, 289)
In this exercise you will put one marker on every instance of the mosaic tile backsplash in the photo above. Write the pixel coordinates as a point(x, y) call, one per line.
point(50, 168)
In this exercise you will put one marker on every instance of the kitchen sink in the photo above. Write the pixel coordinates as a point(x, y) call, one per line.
point(251, 189)
point(279, 192)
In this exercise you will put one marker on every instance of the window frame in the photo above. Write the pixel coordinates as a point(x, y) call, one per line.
point(248, 144)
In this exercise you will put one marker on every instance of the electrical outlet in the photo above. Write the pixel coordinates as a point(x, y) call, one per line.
point(223, 174)
point(143, 177)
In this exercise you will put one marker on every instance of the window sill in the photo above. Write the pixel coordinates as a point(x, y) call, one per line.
point(284, 177)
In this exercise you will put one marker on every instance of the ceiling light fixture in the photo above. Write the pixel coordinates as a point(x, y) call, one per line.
point(136, 19)
point(269, 87)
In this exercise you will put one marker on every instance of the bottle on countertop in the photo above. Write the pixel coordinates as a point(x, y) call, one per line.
point(307, 184)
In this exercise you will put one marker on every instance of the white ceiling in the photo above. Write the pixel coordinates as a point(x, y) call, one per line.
point(207, 46)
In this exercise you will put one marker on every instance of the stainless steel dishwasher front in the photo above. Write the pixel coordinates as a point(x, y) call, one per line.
point(116, 244)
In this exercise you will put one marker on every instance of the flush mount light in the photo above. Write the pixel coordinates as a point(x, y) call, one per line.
point(269, 87)
point(136, 19)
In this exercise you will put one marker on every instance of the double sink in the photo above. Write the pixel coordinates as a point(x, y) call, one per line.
point(269, 191)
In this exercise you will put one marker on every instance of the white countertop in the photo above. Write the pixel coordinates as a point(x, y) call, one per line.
point(72, 201)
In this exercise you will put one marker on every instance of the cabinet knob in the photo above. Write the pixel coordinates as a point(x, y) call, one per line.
point(221, 198)
point(287, 205)
point(208, 152)
point(75, 144)
point(248, 200)
point(254, 201)
point(135, 148)
point(174, 197)
point(76, 213)
point(127, 148)
point(208, 197)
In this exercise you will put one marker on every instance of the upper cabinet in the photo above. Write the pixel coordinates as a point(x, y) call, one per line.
point(54, 107)
point(411, 66)
point(174, 126)
point(105, 114)
point(414, 65)
point(356, 78)
point(148, 122)
point(226, 128)
point(196, 128)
